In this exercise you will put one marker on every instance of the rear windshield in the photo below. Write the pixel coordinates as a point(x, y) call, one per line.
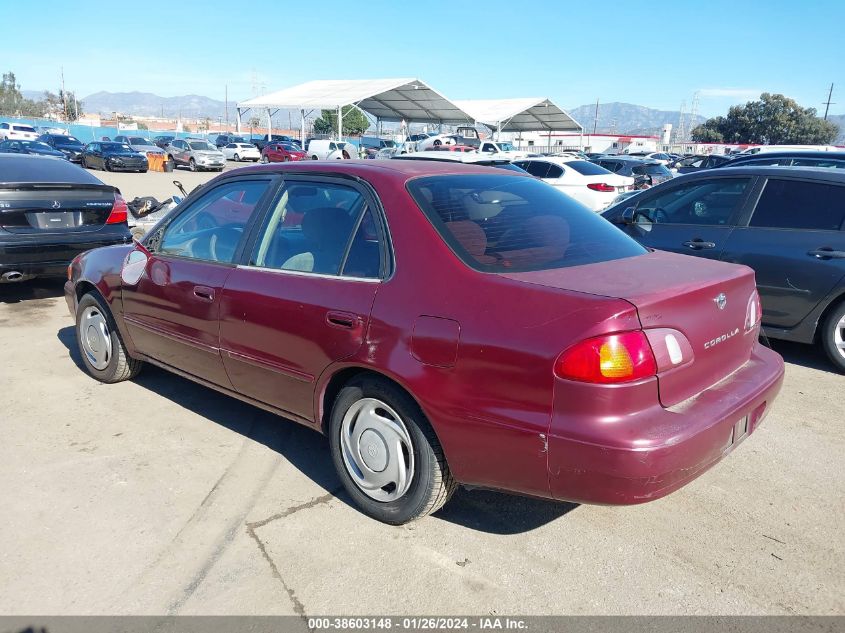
point(505, 223)
point(586, 168)
point(652, 169)
point(23, 128)
point(201, 145)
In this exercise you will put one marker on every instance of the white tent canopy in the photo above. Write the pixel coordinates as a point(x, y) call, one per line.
point(520, 115)
point(409, 100)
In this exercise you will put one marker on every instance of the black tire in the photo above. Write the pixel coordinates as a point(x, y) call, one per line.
point(314, 157)
point(121, 366)
point(143, 171)
point(828, 337)
point(237, 158)
point(192, 165)
point(432, 483)
point(106, 165)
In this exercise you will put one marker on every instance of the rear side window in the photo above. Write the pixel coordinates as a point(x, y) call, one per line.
point(586, 168)
point(652, 169)
point(536, 168)
point(499, 223)
point(791, 204)
point(818, 162)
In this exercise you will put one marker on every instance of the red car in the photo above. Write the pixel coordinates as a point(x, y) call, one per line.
point(282, 153)
point(441, 323)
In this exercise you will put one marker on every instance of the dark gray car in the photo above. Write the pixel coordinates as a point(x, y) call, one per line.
point(784, 222)
point(636, 168)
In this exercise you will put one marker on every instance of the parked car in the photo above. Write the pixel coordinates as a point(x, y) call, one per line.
point(241, 151)
point(261, 141)
point(454, 148)
point(503, 352)
point(196, 154)
point(17, 132)
point(68, 145)
point(321, 149)
point(113, 156)
point(225, 139)
point(835, 160)
point(140, 144)
point(50, 212)
point(786, 223)
point(29, 147)
point(658, 157)
point(468, 158)
point(502, 149)
point(282, 153)
point(695, 163)
point(163, 141)
point(589, 184)
point(764, 149)
point(645, 173)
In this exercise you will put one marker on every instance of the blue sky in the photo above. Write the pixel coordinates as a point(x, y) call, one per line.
point(652, 53)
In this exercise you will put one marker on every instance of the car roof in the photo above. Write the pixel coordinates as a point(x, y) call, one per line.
point(789, 154)
point(18, 168)
point(810, 173)
point(399, 169)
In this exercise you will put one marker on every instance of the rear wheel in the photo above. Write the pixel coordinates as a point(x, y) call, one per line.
point(264, 159)
point(103, 352)
point(237, 158)
point(833, 336)
point(386, 453)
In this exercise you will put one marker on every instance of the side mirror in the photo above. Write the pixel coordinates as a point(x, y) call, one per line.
point(627, 216)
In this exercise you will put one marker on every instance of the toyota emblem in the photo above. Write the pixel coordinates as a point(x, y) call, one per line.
point(57, 204)
point(721, 300)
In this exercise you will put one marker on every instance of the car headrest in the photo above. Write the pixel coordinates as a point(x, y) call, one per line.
point(470, 235)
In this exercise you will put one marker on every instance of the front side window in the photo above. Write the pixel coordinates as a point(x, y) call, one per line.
point(211, 227)
point(792, 204)
point(507, 223)
point(536, 168)
point(708, 202)
point(322, 228)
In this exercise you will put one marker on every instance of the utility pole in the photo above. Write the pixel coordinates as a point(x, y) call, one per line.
point(64, 95)
point(828, 102)
point(596, 117)
point(226, 97)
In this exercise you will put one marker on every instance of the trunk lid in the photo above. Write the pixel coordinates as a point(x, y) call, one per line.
point(677, 292)
point(55, 208)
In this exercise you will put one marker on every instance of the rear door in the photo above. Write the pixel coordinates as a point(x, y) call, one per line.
point(303, 300)
point(692, 218)
point(794, 241)
point(172, 312)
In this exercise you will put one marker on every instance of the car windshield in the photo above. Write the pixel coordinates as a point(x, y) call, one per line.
point(66, 140)
point(586, 168)
point(652, 169)
point(116, 147)
point(289, 147)
point(507, 147)
point(509, 223)
point(201, 145)
point(137, 140)
point(36, 145)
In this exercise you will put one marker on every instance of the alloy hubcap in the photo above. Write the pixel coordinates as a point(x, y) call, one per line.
point(95, 337)
point(839, 337)
point(377, 450)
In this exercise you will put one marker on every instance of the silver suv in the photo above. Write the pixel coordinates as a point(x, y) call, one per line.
point(196, 154)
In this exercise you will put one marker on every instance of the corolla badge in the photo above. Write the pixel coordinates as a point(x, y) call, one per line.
point(721, 300)
point(57, 204)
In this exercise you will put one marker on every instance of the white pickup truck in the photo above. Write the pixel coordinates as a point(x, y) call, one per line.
point(501, 149)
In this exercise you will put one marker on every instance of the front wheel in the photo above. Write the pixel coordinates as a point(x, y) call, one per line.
point(192, 165)
point(833, 337)
point(386, 453)
point(103, 352)
point(237, 158)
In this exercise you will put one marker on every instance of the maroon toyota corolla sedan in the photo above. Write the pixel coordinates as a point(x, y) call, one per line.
point(441, 323)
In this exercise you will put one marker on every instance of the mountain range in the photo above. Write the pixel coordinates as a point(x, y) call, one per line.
point(615, 117)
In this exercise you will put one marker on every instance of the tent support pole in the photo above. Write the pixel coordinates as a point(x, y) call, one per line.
point(238, 121)
point(269, 125)
point(339, 123)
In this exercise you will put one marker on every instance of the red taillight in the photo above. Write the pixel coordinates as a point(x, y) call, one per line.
point(601, 186)
point(612, 358)
point(119, 211)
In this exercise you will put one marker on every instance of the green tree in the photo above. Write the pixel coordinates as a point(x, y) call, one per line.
point(12, 102)
point(62, 105)
point(355, 122)
point(774, 119)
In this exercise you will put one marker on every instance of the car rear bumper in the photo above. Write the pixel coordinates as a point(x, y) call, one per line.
point(663, 449)
point(49, 255)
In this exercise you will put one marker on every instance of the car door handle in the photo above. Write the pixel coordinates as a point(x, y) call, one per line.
point(345, 320)
point(699, 244)
point(826, 252)
point(204, 292)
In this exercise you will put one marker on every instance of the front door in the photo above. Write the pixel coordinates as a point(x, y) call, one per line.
point(172, 312)
point(693, 218)
point(303, 300)
point(795, 244)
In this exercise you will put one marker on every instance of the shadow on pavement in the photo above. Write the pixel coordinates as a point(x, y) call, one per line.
point(810, 356)
point(482, 510)
point(34, 289)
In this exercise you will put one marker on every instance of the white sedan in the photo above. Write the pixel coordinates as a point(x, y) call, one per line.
point(591, 185)
point(241, 151)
